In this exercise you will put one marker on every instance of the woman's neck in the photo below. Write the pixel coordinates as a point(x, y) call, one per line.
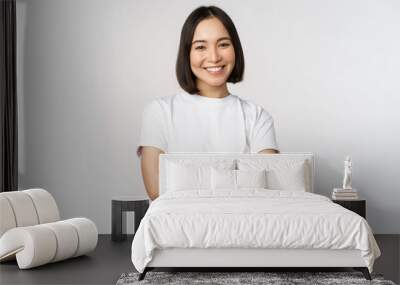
point(213, 92)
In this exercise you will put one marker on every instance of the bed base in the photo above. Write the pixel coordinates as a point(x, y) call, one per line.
point(364, 270)
point(246, 259)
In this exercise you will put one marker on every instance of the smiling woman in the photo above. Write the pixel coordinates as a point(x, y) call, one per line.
point(206, 117)
point(209, 39)
point(212, 58)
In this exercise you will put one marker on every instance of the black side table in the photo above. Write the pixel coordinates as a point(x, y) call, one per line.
point(357, 206)
point(120, 205)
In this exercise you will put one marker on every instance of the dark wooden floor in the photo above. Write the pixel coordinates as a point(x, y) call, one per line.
point(102, 266)
point(110, 260)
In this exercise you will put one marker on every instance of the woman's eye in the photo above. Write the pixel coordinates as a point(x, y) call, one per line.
point(223, 45)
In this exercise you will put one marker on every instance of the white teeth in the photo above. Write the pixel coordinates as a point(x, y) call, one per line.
point(214, 69)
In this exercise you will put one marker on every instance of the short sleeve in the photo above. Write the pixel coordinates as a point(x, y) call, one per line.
point(153, 129)
point(263, 134)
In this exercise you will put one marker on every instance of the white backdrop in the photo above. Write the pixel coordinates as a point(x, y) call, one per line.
point(327, 71)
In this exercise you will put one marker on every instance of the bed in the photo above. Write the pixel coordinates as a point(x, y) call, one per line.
point(247, 210)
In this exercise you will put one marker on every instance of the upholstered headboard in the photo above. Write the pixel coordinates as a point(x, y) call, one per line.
point(234, 159)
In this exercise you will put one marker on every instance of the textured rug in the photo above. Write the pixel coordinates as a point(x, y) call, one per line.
point(269, 278)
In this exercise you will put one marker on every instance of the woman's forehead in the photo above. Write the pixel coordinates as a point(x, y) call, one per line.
point(210, 29)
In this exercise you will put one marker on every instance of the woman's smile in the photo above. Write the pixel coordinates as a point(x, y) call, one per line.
point(215, 70)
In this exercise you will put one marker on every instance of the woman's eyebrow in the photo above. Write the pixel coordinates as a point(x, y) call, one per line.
point(204, 41)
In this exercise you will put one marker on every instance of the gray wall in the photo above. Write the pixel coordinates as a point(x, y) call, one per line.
point(328, 72)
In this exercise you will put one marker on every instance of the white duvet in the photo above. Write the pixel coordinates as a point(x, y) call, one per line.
point(250, 218)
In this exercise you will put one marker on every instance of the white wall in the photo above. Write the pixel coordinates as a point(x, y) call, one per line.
point(328, 72)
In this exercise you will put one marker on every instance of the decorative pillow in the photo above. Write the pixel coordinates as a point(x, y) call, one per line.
point(282, 174)
point(251, 178)
point(236, 179)
point(223, 179)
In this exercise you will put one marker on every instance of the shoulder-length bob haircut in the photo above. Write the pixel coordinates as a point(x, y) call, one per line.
point(186, 78)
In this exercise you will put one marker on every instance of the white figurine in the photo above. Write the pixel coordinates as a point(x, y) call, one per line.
point(347, 173)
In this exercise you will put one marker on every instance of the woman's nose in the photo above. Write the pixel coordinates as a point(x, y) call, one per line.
point(214, 55)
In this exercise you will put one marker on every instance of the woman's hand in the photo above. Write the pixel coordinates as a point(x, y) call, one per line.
point(269, 151)
point(149, 165)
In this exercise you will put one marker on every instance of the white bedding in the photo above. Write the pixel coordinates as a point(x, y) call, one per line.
point(250, 218)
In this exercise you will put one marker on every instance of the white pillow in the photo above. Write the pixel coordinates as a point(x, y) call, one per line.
point(236, 179)
point(223, 179)
point(288, 178)
point(251, 178)
point(282, 174)
point(185, 177)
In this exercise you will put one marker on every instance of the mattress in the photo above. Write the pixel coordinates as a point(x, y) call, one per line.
point(251, 219)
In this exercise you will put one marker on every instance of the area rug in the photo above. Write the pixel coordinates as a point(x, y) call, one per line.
point(269, 278)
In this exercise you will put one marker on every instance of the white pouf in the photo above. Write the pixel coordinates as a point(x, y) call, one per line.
point(31, 232)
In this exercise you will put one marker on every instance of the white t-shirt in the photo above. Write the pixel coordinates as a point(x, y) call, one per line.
point(194, 123)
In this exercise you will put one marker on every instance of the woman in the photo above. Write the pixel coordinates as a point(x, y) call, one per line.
point(206, 117)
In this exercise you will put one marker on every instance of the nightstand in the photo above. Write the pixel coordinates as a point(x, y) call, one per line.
point(122, 204)
point(357, 206)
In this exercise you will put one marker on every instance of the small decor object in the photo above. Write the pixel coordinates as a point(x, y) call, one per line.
point(347, 192)
point(347, 173)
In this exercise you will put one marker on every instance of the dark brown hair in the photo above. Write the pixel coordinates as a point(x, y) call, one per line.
point(184, 74)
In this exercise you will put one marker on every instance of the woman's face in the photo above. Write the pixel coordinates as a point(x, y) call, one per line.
point(212, 56)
